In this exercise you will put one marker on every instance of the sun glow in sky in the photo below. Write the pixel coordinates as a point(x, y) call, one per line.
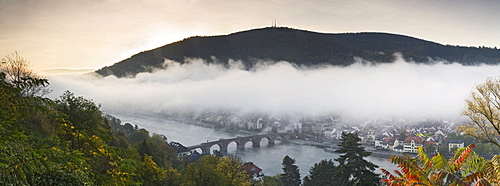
point(74, 34)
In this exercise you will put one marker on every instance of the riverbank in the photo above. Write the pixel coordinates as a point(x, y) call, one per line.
point(387, 153)
point(326, 146)
point(329, 147)
point(310, 143)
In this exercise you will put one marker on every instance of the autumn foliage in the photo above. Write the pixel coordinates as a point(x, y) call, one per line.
point(464, 168)
point(69, 141)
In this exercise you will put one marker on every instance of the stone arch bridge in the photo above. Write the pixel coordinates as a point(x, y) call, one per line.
point(240, 142)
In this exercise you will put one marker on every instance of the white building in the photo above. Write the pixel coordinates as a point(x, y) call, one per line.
point(455, 144)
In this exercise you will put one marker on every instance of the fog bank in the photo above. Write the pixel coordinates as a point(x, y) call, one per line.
point(399, 89)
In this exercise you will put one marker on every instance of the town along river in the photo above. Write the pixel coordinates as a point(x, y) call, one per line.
point(268, 158)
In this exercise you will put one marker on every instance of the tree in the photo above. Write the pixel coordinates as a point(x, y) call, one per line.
point(212, 170)
point(493, 171)
point(151, 173)
point(464, 168)
point(72, 150)
point(144, 149)
point(487, 149)
point(444, 149)
point(291, 175)
point(28, 157)
point(139, 135)
point(271, 181)
point(322, 173)
point(353, 169)
point(16, 108)
point(18, 73)
point(430, 149)
point(483, 109)
point(85, 116)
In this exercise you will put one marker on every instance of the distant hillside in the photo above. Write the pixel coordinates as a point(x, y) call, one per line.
point(302, 48)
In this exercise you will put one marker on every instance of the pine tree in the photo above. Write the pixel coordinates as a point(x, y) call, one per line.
point(291, 175)
point(353, 169)
point(322, 173)
point(144, 149)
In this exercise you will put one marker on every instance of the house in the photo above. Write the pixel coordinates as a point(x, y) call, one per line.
point(411, 143)
point(254, 124)
point(388, 142)
point(318, 129)
point(194, 156)
point(255, 172)
point(454, 144)
point(331, 132)
point(379, 141)
point(440, 132)
point(370, 137)
point(398, 149)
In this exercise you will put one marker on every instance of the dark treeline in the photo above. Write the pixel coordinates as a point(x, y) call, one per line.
point(300, 47)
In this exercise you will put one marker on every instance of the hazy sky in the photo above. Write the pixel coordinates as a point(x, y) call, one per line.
point(56, 34)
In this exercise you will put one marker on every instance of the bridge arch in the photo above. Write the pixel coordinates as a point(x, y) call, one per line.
point(264, 141)
point(233, 146)
point(214, 147)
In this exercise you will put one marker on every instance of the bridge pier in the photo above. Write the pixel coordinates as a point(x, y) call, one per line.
point(205, 150)
point(256, 142)
point(223, 149)
point(240, 146)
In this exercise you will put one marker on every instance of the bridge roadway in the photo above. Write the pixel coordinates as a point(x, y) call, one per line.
point(240, 142)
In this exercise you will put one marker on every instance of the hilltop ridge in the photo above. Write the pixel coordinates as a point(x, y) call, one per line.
point(300, 47)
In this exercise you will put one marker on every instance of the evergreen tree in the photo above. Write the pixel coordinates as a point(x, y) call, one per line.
point(291, 175)
point(144, 149)
point(353, 169)
point(322, 173)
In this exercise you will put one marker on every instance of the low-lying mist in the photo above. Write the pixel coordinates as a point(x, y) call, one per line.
point(398, 89)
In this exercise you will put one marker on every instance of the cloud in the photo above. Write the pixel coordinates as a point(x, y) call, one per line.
point(399, 89)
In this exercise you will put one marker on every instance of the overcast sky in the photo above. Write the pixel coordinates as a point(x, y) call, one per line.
point(59, 34)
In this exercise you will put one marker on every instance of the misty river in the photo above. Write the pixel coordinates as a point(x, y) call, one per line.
point(267, 158)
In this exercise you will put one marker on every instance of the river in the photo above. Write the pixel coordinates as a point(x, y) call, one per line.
point(268, 158)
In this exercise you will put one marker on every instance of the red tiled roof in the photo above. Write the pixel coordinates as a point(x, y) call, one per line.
point(251, 168)
point(418, 140)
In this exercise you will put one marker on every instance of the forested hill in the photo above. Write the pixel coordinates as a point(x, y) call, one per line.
point(302, 48)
